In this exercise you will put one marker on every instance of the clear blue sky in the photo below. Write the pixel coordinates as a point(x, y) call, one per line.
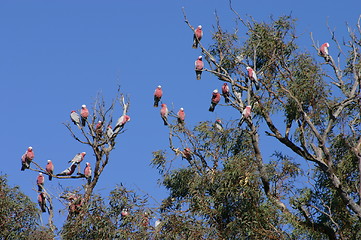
point(56, 55)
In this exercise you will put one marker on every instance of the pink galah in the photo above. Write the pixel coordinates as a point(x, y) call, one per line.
point(181, 116)
point(125, 212)
point(164, 113)
point(40, 182)
point(99, 128)
point(245, 114)
point(69, 171)
point(121, 122)
point(216, 97)
point(323, 51)
point(88, 172)
point(225, 92)
point(41, 202)
point(75, 118)
point(199, 65)
point(197, 36)
point(158, 93)
point(218, 125)
point(253, 77)
point(26, 158)
point(78, 158)
point(49, 169)
point(84, 114)
point(187, 154)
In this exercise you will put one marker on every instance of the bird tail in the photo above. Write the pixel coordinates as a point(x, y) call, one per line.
point(195, 43)
point(198, 74)
point(43, 208)
point(40, 188)
point(226, 99)
point(165, 121)
point(241, 122)
point(89, 180)
point(83, 121)
point(50, 177)
point(256, 83)
point(211, 108)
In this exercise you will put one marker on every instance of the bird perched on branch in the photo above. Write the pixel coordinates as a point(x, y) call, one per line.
point(49, 169)
point(99, 129)
point(88, 172)
point(75, 118)
point(78, 158)
point(84, 113)
point(197, 36)
point(158, 93)
point(26, 158)
point(216, 97)
point(109, 131)
point(164, 113)
point(41, 201)
point(187, 154)
point(199, 65)
point(69, 171)
point(245, 114)
point(181, 116)
point(225, 92)
point(218, 125)
point(323, 51)
point(40, 182)
point(121, 122)
point(253, 77)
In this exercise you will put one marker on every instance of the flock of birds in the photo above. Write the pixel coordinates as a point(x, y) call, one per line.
point(81, 121)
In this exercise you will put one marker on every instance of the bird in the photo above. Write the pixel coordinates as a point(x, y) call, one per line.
point(26, 158)
point(109, 132)
point(164, 114)
point(75, 118)
point(88, 172)
point(187, 154)
point(157, 223)
point(84, 113)
point(99, 128)
point(245, 114)
point(199, 65)
point(181, 116)
point(253, 77)
point(197, 36)
point(49, 169)
point(158, 93)
point(216, 97)
point(125, 212)
point(41, 201)
point(40, 182)
point(218, 125)
point(78, 158)
point(121, 122)
point(323, 51)
point(69, 171)
point(225, 92)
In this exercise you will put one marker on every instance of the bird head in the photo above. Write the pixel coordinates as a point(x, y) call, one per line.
point(159, 86)
point(83, 106)
point(215, 91)
point(83, 153)
point(49, 161)
point(30, 149)
point(219, 121)
point(199, 26)
point(200, 57)
point(181, 109)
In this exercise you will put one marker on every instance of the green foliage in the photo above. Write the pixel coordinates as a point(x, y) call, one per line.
point(19, 215)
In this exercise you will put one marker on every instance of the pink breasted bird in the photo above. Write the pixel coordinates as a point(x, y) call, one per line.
point(199, 65)
point(253, 77)
point(158, 93)
point(99, 128)
point(121, 122)
point(218, 125)
point(216, 97)
point(245, 114)
point(181, 116)
point(69, 171)
point(75, 118)
point(41, 202)
point(187, 154)
point(84, 114)
point(225, 92)
point(88, 172)
point(323, 51)
point(125, 212)
point(26, 158)
point(78, 158)
point(40, 182)
point(164, 113)
point(197, 36)
point(49, 169)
